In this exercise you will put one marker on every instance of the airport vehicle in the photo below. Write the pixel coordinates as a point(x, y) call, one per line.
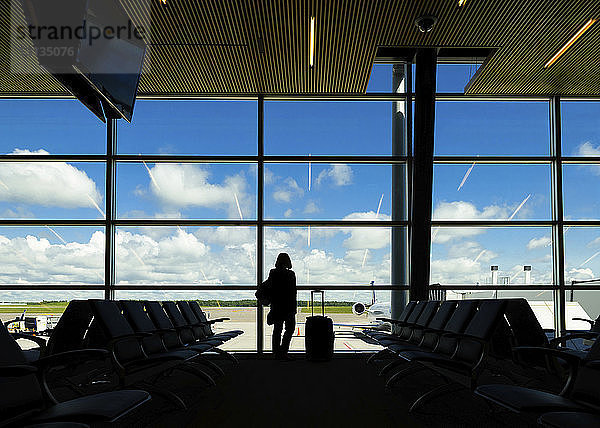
point(39, 324)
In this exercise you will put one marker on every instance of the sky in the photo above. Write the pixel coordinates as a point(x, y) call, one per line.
point(338, 255)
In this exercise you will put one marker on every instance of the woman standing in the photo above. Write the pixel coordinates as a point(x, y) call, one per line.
point(282, 293)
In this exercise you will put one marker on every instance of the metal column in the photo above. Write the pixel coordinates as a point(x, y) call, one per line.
point(422, 183)
point(399, 298)
point(259, 228)
point(109, 228)
point(558, 245)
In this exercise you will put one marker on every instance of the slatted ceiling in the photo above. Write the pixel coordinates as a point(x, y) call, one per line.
point(210, 46)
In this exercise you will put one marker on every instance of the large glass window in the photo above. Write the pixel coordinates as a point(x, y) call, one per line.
point(328, 128)
point(186, 190)
point(491, 192)
point(186, 255)
point(500, 128)
point(179, 220)
point(580, 128)
point(328, 191)
point(54, 127)
point(52, 255)
point(191, 128)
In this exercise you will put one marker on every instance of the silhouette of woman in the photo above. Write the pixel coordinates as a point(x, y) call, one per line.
point(282, 285)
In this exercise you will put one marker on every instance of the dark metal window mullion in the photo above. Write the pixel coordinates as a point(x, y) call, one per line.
point(109, 230)
point(260, 225)
point(558, 247)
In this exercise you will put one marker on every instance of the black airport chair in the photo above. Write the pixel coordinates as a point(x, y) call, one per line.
point(429, 310)
point(467, 358)
point(174, 338)
point(24, 400)
point(437, 340)
point(132, 364)
point(208, 323)
point(569, 420)
point(581, 393)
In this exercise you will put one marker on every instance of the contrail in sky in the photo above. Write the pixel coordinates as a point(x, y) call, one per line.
point(376, 215)
point(519, 207)
point(478, 255)
point(590, 259)
point(150, 174)
point(96, 205)
point(56, 234)
point(237, 203)
point(466, 176)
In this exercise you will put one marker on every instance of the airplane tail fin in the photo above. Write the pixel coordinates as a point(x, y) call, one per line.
point(373, 289)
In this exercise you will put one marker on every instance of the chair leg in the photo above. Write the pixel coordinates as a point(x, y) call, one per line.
point(165, 393)
point(211, 365)
point(389, 366)
point(377, 355)
point(226, 354)
point(404, 372)
point(439, 390)
point(196, 371)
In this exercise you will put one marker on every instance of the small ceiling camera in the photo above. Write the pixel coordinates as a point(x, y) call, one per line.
point(425, 23)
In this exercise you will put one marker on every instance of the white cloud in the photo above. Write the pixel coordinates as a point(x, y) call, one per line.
point(288, 213)
point(311, 208)
point(588, 149)
point(339, 174)
point(185, 185)
point(288, 191)
point(534, 243)
point(50, 184)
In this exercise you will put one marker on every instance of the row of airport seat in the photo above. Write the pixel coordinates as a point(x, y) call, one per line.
point(464, 336)
point(144, 341)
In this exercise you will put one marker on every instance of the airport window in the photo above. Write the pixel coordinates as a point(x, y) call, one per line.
point(204, 255)
point(193, 127)
point(580, 128)
point(491, 255)
point(52, 190)
point(186, 190)
point(581, 202)
point(50, 127)
point(497, 128)
point(492, 200)
point(52, 254)
point(454, 77)
point(328, 191)
point(332, 255)
point(488, 192)
point(328, 128)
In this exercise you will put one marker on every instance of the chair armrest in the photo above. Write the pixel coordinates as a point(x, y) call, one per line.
point(38, 340)
point(594, 364)
point(166, 330)
point(571, 359)
point(112, 342)
point(214, 320)
point(583, 335)
point(75, 355)
point(584, 319)
point(465, 336)
point(17, 370)
point(402, 323)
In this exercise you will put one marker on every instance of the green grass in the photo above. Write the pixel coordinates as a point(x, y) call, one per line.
point(329, 310)
point(35, 308)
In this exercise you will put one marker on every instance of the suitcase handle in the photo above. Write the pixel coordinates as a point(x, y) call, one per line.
point(312, 301)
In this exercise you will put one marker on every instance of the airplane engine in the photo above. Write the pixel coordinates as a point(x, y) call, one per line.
point(358, 308)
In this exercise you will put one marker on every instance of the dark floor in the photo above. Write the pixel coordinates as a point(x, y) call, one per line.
point(345, 392)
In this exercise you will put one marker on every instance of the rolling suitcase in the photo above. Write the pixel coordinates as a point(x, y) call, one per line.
point(318, 332)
